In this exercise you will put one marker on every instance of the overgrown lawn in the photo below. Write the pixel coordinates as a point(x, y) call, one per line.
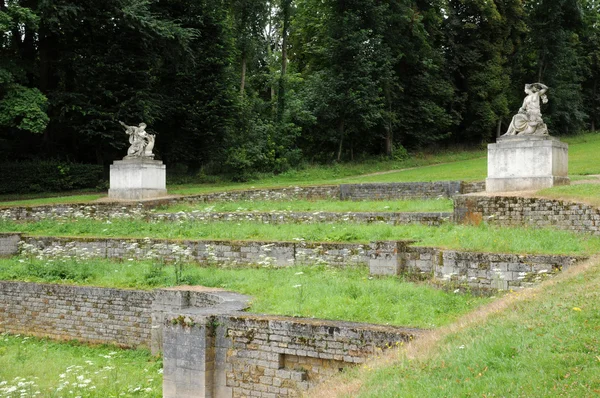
point(39, 367)
point(434, 205)
point(482, 238)
point(309, 291)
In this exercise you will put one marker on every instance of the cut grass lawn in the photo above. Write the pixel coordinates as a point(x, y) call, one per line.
point(30, 365)
point(482, 238)
point(53, 200)
point(450, 165)
point(435, 205)
point(587, 193)
point(542, 343)
point(308, 291)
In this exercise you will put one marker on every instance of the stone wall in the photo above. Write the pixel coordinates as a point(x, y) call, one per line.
point(243, 355)
point(400, 190)
point(412, 190)
point(9, 244)
point(477, 270)
point(210, 348)
point(216, 251)
point(518, 211)
point(96, 315)
point(289, 217)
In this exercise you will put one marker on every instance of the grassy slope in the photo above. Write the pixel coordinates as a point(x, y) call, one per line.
point(465, 165)
point(542, 342)
point(460, 237)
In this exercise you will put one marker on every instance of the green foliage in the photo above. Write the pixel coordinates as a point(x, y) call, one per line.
point(48, 176)
point(241, 87)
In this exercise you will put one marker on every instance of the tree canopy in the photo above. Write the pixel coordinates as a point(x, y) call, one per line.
point(244, 86)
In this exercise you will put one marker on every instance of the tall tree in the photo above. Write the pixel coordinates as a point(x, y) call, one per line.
point(555, 51)
point(482, 35)
point(591, 49)
point(22, 105)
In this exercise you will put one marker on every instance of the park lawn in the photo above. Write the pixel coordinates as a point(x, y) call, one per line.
point(587, 193)
point(52, 200)
point(53, 369)
point(543, 343)
point(482, 238)
point(433, 205)
point(465, 170)
point(448, 165)
point(348, 294)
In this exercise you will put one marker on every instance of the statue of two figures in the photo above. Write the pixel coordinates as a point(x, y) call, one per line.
point(141, 141)
point(529, 119)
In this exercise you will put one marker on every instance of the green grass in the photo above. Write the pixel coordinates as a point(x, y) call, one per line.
point(52, 200)
point(588, 193)
point(435, 205)
point(309, 291)
point(106, 371)
point(465, 170)
point(544, 345)
point(329, 174)
point(484, 237)
point(448, 165)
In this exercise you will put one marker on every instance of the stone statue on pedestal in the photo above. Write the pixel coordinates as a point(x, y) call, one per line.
point(529, 119)
point(141, 141)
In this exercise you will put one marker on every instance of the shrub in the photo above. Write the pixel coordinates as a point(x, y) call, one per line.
point(48, 176)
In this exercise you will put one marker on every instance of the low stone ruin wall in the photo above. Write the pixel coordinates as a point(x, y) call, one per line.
point(248, 355)
point(210, 348)
point(400, 190)
point(477, 270)
point(459, 268)
point(519, 211)
point(95, 315)
point(289, 217)
point(412, 190)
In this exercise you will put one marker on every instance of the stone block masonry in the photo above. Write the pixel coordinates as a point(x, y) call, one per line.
point(9, 244)
point(243, 355)
point(210, 348)
point(62, 312)
point(479, 270)
point(401, 190)
point(521, 211)
point(483, 271)
point(413, 190)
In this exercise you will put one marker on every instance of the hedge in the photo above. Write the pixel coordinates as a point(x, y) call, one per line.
point(48, 176)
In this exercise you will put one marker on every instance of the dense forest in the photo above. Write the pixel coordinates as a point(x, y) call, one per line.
point(243, 86)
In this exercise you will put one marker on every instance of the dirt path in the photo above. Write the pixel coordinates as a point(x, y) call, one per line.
point(427, 345)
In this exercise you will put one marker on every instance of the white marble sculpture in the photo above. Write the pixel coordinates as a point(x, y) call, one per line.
point(141, 142)
point(529, 119)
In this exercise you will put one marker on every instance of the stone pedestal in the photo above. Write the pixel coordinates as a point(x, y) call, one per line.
point(140, 178)
point(522, 163)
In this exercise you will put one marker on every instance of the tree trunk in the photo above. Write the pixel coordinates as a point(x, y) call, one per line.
point(389, 133)
point(341, 132)
point(594, 105)
point(499, 128)
point(243, 82)
point(285, 4)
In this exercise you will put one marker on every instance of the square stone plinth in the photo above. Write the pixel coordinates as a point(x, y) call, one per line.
point(523, 163)
point(135, 179)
